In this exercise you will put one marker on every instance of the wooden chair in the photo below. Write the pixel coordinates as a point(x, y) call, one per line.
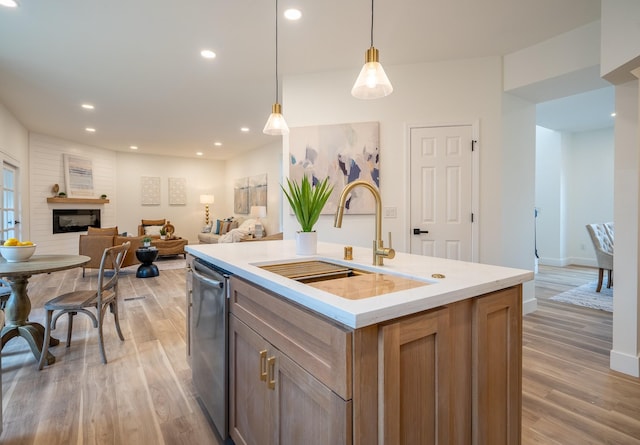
point(105, 296)
point(5, 293)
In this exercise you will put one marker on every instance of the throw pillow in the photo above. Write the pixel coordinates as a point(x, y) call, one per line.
point(112, 231)
point(152, 230)
point(218, 224)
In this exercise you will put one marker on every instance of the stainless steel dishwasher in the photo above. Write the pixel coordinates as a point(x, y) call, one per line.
point(210, 341)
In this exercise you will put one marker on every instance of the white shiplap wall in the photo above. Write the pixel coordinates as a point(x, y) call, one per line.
point(46, 168)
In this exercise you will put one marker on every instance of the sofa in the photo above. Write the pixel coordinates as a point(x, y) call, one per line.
point(97, 239)
point(233, 230)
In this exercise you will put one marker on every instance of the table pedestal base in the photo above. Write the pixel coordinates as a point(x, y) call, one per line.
point(33, 333)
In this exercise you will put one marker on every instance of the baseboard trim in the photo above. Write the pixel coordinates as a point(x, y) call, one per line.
point(529, 306)
point(625, 363)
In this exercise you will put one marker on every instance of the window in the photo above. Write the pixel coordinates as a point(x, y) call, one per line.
point(8, 206)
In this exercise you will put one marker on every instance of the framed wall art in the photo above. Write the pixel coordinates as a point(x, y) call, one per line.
point(342, 152)
point(241, 196)
point(177, 191)
point(150, 190)
point(78, 176)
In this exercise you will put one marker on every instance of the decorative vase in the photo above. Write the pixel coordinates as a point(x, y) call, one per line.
point(163, 236)
point(306, 243)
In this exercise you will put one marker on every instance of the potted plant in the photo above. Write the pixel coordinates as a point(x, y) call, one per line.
point(62, 195)
point(163, 233)
point(103, 196)
point(146, 241)
point(307, 201)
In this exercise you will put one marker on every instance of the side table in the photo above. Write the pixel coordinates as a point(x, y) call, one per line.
point(147, 255)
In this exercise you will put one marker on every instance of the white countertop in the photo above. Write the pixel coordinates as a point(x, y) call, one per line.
point(462, 280)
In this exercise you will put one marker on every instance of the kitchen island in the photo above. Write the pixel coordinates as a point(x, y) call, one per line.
point(436, 362)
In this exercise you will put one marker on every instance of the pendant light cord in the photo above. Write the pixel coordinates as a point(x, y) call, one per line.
point(371, 23)
point(277, 83)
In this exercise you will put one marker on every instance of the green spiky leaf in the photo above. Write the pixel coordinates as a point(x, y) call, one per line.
point(307, 201)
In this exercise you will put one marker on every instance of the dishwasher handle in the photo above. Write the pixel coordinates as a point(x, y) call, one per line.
point(206, 279)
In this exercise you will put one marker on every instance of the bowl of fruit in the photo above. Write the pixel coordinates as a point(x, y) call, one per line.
point(15, 251)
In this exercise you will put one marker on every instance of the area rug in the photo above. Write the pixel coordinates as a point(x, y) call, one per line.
point(587, 296)
point(168, 263)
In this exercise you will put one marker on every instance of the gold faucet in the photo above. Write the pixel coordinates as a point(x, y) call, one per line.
point(379, 251)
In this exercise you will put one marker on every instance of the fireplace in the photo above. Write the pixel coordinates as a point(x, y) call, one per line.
point(75, 220)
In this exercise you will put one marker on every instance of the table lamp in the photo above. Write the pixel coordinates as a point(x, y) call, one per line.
point(206, 200)
point(258, 212)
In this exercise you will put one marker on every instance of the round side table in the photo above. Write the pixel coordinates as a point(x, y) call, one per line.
point(147, 255)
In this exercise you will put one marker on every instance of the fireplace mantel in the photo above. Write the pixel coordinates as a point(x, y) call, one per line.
point(60, 200)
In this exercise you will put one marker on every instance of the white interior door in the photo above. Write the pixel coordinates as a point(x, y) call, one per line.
point(441, 191)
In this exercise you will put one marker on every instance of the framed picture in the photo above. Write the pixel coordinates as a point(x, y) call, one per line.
point(241, 196)
point(150, 190)
point(78, 176)
point(344, 153)
point(177, 191)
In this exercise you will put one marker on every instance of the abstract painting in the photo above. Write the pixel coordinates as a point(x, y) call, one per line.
point(241, 196)
point(342, 152)
point(78, 176)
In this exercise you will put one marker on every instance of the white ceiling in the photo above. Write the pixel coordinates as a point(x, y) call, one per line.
point(138, 60)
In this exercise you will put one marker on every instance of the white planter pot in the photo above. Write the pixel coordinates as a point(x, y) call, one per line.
point(306, 243)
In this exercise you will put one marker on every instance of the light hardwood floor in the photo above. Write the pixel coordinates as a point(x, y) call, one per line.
point(144, 394)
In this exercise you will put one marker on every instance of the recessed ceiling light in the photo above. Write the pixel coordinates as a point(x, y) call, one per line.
point(292, 14)
point(613, 114)
point(133, 147)
point(244, 129)
point(208, 54)
point(218, 144)
point(199, 153)
point(88, 106)
point(90, 130)
point(8, 3)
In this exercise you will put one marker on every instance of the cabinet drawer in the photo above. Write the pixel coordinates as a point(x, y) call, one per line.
point(322, 348)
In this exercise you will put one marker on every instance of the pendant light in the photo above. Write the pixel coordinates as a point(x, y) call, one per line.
point(276, 125)
point(372, 83)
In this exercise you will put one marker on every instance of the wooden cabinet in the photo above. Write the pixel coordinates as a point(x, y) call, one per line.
point(286, 371)
point(497, 367)
point(450, 375)
point(275, 401)
point(453, 375)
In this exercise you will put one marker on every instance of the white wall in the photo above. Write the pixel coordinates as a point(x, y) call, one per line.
point(574, 187)
point(118, 176)
point(267, 159)
point(550, 197)
point(620, 43)
point(202, 177)
point(589, 190)
point(462, 91)
point(14, 149)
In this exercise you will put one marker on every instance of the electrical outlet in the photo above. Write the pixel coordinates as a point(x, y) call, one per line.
point(390, 212)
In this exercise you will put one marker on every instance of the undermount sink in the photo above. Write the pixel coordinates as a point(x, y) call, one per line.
point(343, 281)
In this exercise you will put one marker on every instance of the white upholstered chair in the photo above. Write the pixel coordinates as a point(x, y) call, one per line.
point(602, 238)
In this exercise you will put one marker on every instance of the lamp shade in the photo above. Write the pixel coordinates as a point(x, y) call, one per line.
point(276, 125)
point(206, 199)
point(258, 211)
point(372, 82)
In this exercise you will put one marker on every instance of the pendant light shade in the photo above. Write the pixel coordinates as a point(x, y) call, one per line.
point(276, 125)
point(372, 82)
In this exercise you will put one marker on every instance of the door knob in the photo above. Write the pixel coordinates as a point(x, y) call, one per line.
point(418, 231)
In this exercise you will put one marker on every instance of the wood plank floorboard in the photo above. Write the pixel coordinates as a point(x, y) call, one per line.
point(145, 396)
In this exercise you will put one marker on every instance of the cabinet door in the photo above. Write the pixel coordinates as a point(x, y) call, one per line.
point(497, 364)
point(415, 388)
point(250, 408)
point(307, 412)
